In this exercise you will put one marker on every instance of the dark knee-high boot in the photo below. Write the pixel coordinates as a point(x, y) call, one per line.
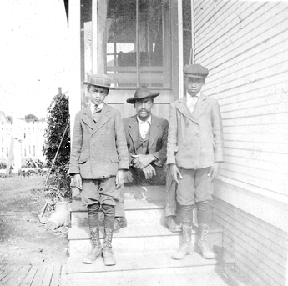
point(185, 213)
point(93, 223)
point(204, 213)
point(109, 216)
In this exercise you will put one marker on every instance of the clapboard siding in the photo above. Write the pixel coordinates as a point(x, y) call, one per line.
point(258, 155)
point(252, 99)
point(278, 130)
point(247, 32)
point(257, 111)
point(273, 119)
point(267, 166)
point(244, 45)
point(275, 81)
point(258, 138)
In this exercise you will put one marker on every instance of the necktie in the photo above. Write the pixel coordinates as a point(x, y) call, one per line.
point(191, 102)
point(96, 112)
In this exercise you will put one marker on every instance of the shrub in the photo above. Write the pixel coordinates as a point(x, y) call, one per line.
point(3, 165)
point(58, 130)
point(31, 118)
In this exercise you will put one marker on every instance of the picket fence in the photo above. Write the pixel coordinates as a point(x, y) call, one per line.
point(28, 140)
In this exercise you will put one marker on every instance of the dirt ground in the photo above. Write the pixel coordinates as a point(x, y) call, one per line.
point(23, 239)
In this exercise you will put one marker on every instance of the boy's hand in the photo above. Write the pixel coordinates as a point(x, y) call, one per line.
point(214, 171)
point(120, 179)
point(77, 181)
point(175, 172)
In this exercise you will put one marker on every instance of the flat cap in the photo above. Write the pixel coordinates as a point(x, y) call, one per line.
point(196, 70)
point(101, 80)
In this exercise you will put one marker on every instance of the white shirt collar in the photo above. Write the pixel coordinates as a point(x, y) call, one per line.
point(142, 122)
point(190, 96)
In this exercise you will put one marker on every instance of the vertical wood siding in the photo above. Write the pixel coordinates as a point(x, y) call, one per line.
point(244, 44)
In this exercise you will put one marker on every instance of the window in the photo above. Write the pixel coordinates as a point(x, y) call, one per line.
point(139, 43)
point(136, 46)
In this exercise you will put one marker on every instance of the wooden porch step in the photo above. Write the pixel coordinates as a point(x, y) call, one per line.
point(131, 261)
point(204, 275)
point(81, 232)
point(146, 238)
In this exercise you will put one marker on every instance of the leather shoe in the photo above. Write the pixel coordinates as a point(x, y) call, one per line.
point(108, 257)
point(172, 225)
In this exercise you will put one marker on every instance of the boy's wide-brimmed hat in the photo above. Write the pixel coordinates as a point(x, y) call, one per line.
point(101, 80)
point(196, 71)
point(142, 93)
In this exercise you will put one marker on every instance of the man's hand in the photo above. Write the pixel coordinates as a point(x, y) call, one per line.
point(149, 172)
point(214, 171)
point(120, 179)
point(77, 181)
point(175, 172)
point(141, 161)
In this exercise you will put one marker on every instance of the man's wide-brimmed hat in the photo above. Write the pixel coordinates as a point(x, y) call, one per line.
point(196, 71)
point(101, 80)
point(142, 93)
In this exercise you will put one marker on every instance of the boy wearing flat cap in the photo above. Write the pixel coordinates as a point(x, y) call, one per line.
point(98, 159)
point(194, 154)
point(146, 136)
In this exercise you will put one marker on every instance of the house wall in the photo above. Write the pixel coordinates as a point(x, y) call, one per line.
point(244, 45)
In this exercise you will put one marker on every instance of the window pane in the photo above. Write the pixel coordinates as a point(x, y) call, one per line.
point(154, 43)
point(121, 54)
point(138, 48)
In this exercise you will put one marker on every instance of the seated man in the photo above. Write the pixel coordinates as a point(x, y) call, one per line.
point(146, 137)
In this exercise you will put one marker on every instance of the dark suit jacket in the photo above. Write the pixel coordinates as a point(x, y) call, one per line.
point(195, 140)
point(99, 149)
point(158, 135)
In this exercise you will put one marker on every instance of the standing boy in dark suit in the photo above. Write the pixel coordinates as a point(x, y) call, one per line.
point(98, 159)
point(194, 154)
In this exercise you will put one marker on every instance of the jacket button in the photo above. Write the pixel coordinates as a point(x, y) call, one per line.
point(197, 135)
point(187, 124)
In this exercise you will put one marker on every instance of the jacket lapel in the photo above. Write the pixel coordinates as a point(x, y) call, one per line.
point(87, 117)
point(182, 107)
point(199, 107)
point(133, 130)
point(154, 130)
point(106, 114)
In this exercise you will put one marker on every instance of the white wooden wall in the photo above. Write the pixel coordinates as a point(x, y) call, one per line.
point(244, 44)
